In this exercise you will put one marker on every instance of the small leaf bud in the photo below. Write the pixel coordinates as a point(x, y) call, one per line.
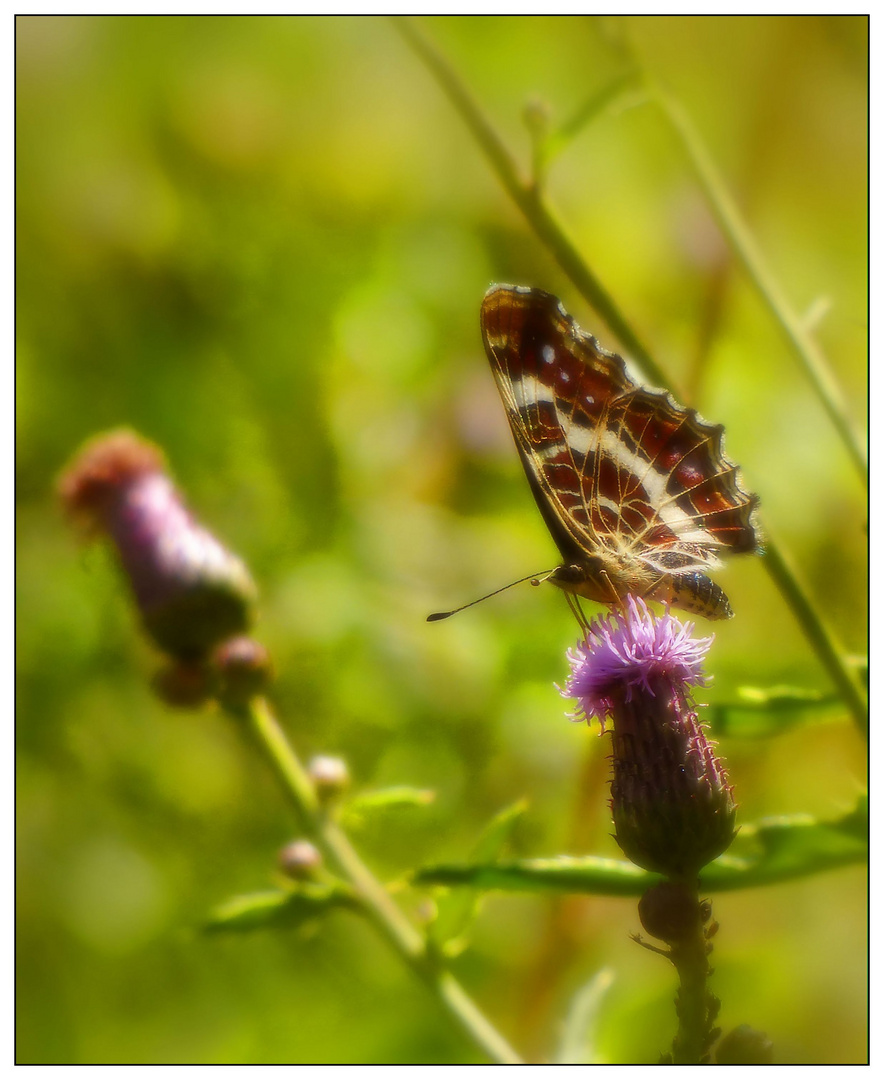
point(244, 670)
point(185, 684)
point(299, 860)
point(745, 1046)
point(669, 911)
point(330, 776)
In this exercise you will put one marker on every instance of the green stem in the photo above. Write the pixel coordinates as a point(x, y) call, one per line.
point(375, 900)
point(529, 199)
point(693, 1001)
point(818, 634)
point(723, 207)
point(541, 219)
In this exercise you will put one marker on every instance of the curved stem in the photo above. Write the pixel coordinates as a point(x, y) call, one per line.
point(811, 356)
point(541, 219)
point(818, 633)
point(375, 900)
point(529, 199)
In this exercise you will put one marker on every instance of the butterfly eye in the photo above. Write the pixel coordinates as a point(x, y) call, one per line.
point(569, 575)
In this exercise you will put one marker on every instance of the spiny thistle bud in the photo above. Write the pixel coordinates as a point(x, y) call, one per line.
point(186, 684)
point(537, 116)
point(673, 808)
point(299, 860)
point(330, 776)
point(244, 669)
point(191, 591)
point(745, 1046)
point(671, 911)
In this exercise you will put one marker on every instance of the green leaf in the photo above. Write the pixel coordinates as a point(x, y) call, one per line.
point(561, 873)
point(780, 697)
point(393, 799)
point(280, 907)
point(772, 850)
point(780, 849)
point(759, 711)
point(576, 1044)
point(623, 92)
point(457, 910)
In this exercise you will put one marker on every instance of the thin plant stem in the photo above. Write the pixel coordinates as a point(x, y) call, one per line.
point(529, 199)
point(374, 898)
point(842, 674)
point(540, 218)
point(694, 1003)
point(739, 236)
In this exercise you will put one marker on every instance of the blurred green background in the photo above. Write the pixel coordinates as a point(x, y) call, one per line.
point(262, 242)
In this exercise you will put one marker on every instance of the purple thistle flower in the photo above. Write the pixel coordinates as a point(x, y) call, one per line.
point(672, 806)
point(191, 591)
point(628, 652)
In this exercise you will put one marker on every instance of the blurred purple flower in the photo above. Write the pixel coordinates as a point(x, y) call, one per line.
point(191, 591)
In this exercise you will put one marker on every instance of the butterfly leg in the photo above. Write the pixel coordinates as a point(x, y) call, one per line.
point(577, 611)
point(616, 598)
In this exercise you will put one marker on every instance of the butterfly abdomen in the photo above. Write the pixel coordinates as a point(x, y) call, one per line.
point(697, 593)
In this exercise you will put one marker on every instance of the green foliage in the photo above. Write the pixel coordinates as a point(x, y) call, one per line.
point(576, 1043)
point(283, 908)
point(373, 803)
point(262, 243)
point(456, 912)
point(771, 851)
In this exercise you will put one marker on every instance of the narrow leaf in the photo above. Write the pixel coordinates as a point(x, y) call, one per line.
point(281, 907)
point(373, 803)
point(576, 1044)
point(457, 910)
point(760, 711)
point(772, 850)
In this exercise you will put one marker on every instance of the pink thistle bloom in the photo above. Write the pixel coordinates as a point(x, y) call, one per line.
point(628, 652)
point(191, 591)
point(672, 806)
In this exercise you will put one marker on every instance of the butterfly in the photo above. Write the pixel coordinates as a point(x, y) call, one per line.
point(635, 489)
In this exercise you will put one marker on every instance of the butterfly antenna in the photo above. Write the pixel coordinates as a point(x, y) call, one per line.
point(535, 579)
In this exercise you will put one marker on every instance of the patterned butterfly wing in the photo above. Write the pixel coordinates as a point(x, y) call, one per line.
point(635, 489)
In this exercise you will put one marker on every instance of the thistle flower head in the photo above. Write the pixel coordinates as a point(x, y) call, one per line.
point(191, 591)
point(628, 652)
point(672, 806)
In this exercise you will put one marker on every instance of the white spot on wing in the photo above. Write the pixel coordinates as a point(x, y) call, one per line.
point(549, 354)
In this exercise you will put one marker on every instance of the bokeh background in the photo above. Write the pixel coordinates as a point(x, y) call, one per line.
point(262, 243)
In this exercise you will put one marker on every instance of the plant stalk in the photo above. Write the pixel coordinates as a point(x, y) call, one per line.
point(694, 1003)
point(375, 900)
point(816, 366)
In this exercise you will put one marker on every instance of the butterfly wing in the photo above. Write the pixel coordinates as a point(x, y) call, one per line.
point(614, 467)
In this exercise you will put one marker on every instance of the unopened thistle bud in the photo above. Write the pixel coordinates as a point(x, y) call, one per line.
point(299, 860)
point(672, 806)
point(745, 1046)
point(330, 776)
point(243, 668)
point(191, 591)
point(186, 684)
